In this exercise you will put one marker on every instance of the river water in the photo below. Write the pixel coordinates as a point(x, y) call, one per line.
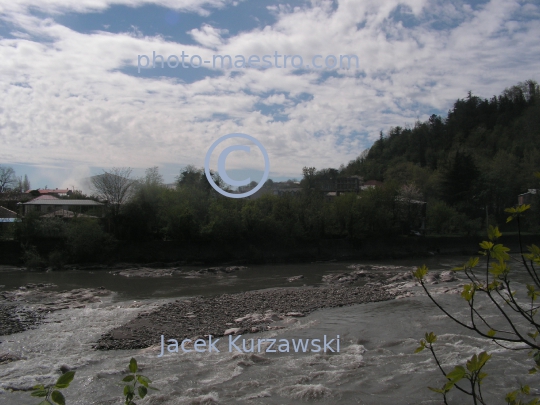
point(375, 365)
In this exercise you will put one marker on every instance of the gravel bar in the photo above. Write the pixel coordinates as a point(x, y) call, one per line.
point(199, 317)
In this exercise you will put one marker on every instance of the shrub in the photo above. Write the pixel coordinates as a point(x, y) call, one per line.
point(32, 259)
point(57, 260)
point(87, 242)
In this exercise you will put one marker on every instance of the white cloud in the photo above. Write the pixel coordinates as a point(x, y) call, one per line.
point(65, 100)
point(208, 36)
point(85, 6)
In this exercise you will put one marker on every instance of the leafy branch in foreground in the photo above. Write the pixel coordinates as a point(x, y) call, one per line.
point(51, 393)
point(473, 371)
point(516, 324)
point(130, 388)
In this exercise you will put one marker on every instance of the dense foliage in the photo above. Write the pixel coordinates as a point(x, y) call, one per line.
point(472, 160)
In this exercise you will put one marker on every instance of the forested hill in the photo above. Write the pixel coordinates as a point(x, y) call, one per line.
point(484, 151)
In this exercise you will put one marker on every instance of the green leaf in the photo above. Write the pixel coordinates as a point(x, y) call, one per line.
point(38, 387)
point(533, 371)
point(65, 379)
point(473, 262)
point(494, 233)
point(133, 365)
point(128, 389)
point(142, 391)
point(491, 333)
point(481, 376)
point(456, 374)
point(511, 396)
point(499, 252)
point(39, 393)
point(143, 380)
point(58, 398)
point(45, 403)
point(420, 272)
point(431, 337)
point(448, 386)
point(468, 292)
point(420, 348)
point(486, 245)
point(436, 390)
point(483, 358)
point(128, 378)
point(477, 362)
point(499, 269)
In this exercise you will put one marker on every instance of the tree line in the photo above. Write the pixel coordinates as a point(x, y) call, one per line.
point(468, 167)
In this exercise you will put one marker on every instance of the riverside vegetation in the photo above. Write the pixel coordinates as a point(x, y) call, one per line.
point(515, 328)
point(465, 166)
point(130, 391)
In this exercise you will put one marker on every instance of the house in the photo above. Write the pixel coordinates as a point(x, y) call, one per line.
point(527, 198)
point(349, 184)
point(371, 184)
point(7, 216)
point(48, 204)
point(7, 220)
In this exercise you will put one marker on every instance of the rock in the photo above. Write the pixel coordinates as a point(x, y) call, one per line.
point(216, 270)
point(295, 278)
point(144, 272)
point(232, 331)
point(295, 314)
point(8, 358)
point(447, 276)
point(64, 369)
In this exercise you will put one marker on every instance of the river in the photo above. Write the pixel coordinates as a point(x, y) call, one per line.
point(375, 365)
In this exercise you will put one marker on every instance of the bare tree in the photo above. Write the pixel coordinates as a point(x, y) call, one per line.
point(114, 186)
point(8, 180)
point(153, 177)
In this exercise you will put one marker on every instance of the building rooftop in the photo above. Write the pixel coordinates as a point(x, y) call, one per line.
point(46, 197)
point(5, 213)
point(37, 201)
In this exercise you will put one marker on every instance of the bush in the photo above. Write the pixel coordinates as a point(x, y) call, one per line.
point(443, 219)
point(87, 242)
point(32, 259)
point(57, 260)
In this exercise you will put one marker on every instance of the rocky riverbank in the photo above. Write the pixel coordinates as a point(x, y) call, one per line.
point(251, 311)
point(25, 307)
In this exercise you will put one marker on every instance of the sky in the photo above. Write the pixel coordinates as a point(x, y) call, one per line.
point(75, 100)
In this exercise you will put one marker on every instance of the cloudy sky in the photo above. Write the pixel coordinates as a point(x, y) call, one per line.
point(74, 102)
